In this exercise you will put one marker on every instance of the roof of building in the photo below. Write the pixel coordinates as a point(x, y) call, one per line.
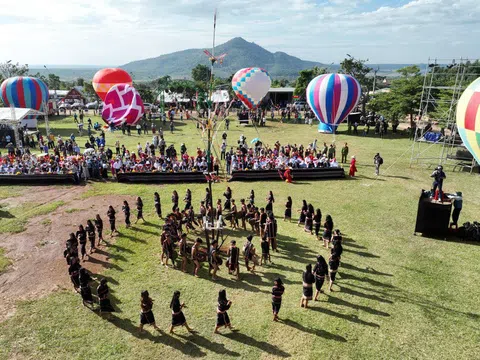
point(282, 90)
point(6, 115)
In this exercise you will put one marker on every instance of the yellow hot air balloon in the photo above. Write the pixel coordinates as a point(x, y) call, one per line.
point(468, 118)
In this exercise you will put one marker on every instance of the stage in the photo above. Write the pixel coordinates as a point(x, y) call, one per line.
point(37, 179)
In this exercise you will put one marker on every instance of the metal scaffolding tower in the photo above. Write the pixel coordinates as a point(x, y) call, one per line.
point(444, 82)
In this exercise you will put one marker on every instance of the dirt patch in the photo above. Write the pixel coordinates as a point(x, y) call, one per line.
point(38, 266)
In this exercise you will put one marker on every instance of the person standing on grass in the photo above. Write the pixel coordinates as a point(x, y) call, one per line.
point(99, 227)
point(90, 229)
point(333, 263)
point(344, 153)
point(327, 232)
point(265, 251)
point(457, 209)
point(288, 210)
point(111, 218)
point(74, 272)
point(188, 199)
point(146, 313)
point(252, 197)
point(222, 316)
point(320, 271)
point(183, 251)
point(104, 301)
point(233, 263)
point(277, 292)
point(308, 280)
point(126, 211)
point(139, 209)
point(178, 318)
point(168, 251)
point(270, 200)
point(377, 160)
point(317, 222)
point(85, 291)
point(82, 239)
point(214, 259)
point(196, 256)
point(309, 220)
point(271, 231)
point(174, 200)
point(158, 204)
point(303, 213)
point(353, 167)
point(249, 252)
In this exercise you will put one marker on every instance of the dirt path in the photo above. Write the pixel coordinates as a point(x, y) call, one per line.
point(38, 266)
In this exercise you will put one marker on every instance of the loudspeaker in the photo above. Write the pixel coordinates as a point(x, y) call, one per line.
point(433, 218)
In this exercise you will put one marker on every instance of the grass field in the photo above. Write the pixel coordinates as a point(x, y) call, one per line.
point(398, 296)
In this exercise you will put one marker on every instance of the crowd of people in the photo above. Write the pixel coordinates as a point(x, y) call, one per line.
point(176, 249)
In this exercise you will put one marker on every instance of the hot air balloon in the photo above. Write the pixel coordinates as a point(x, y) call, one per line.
point(251, 85)
point(24, 92)
point(104, 80)
point(332, 97)
point(123, 104)
point(468, 118)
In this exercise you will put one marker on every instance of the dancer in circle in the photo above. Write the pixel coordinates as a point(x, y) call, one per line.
point(126, 211)
point(99, 227)
point(233, 259)
point(158, 204)
point(139, 204)
point(327, 232)
point(85, 291)
point(288, 210)
point(82, 239)
point(111, 218)
point(333, 263)
point(320, 271)
point(104, 302)
point(174, 200)
point(90, 229)
point(308, 280)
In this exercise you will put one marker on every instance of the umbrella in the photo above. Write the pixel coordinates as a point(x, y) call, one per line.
point(88, 151)
point(254, 140)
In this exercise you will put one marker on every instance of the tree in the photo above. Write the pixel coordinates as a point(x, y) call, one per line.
point(89, 91)
point(305, 76)
point(80, 82)
point(54, 82)
point(9, 69)
point(357, 68)
point(277, 83)
point(201, 75)
point(404, 96)
point(145, 92)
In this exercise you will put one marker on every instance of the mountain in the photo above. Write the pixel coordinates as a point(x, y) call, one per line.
point(240, 54)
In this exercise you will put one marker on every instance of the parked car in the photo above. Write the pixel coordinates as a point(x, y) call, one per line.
point(300, 105)
point(92, 105)
point(77, 106)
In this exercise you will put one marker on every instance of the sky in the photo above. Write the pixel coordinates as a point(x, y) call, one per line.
point(115, 32)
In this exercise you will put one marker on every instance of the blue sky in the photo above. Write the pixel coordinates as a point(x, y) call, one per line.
point(119, 31)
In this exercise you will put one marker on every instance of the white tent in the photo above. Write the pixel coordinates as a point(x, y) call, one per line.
point(220, 96)
point(172, 97)
point(17, 116)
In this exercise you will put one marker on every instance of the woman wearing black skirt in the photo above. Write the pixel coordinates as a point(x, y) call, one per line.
point(139, 204)
point(188, 199)
point(99, 227)
point(333, 263)
point(308, 280)
point(252, 197)
point(288, 209)
point(327, 232)
point(308, 221)
point(303, 213)
point(104, 301)
point(158, 204)
point(270, 200)
point(222, 316)
point(337, 243)
point(90, 229)
point(317, 222)
point(320, 271)
point(178, 319)
point(174, 200)
point(85, 291)
point(228, 197)
point(126, 211)
point(277, 292)
point(111, 218)
point(82, 239)
point(146, 313)
point(74, 272)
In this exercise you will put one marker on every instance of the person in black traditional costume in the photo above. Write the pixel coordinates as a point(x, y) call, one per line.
point(303, 213)
point(270, 200)
point(288, 209)
point(82, 239)
point(74, 272)
point(228, 197)
point(249, 252)
point(196, 256)
point(139, 204)
point(320, 270)
point(183, 251)
point(111, 219)
point(178, 318)
point(327, 232)
point(215, 260)
point(277, 292)
point(333, 263)
point(104, 301)
point(222, 316)
point(308, 280)
point(188, 199)
point(84, 280)
point(174, 200)
point(317, 223)
point(169, 252)
point(126, 211)
point(146, 313)
point(99, 227)
point(233, 263)
point(158, 204)
point(90, 229)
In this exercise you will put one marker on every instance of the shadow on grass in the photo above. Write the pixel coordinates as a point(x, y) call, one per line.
point(361, 253)
point(368, 309)
point(346, 276)
point(352, 318)
point(367, 270)
point(120, 248)
point(352, 292)
point(261, 345)
point(209, 345)
point(110, 255)
point(6, 215)
point(187, 348)
point(317, 332)
point(104, 264)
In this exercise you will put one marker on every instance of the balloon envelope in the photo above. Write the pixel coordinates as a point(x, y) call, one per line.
point(24, 92)
point(468, 118)
point(123, 104)
point(251, 85)
point(333, 96)
point(104, 80)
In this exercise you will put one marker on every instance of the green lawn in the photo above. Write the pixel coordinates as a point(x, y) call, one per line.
point(398, 296)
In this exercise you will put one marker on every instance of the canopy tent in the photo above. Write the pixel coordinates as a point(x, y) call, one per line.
point(172, 97)
point(16, 116)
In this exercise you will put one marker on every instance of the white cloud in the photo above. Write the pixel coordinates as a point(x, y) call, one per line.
point(118, 31)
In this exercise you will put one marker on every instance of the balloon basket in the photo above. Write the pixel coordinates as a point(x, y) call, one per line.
point(326, 128)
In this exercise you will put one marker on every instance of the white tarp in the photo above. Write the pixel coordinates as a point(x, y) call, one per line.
point(6, 116)
point(220, 96)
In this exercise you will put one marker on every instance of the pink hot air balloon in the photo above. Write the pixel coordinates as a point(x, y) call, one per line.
point(123, 104)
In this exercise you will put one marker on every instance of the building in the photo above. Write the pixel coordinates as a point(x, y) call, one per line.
point(280, 96)
point(72, 96)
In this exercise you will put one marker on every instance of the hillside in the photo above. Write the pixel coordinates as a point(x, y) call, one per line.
point(240, 54)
